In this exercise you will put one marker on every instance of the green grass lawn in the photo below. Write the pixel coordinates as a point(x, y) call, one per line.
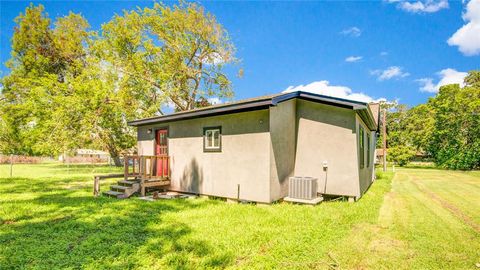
point(422, 218)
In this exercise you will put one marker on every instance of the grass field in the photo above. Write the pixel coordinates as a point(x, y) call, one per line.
point(420, 219)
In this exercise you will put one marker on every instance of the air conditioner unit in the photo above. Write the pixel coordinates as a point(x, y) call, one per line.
point(304, 188)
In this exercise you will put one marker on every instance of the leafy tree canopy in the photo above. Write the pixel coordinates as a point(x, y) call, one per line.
point(70, 87)
point(446, 128)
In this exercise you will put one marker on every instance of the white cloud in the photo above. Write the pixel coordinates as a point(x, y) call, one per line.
point(352, 31)
point(324, 88)
point(170, 105)
point(214, 59)
point(467, 38)
point(389, 73)
point(421, 6)
point(352, 59)
point(427, 85)
point(447, 76)
point(214, 100)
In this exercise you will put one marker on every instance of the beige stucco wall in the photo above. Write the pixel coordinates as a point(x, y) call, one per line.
point(244, 159)
point(365, 174)
point(327, 133)
point(282, 150)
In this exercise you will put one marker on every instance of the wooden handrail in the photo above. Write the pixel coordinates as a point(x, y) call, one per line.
point(147, 167)
point(97, 178)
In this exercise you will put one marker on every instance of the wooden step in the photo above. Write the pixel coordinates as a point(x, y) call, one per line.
point(112, 193)
point(127, 182)
point(117, 187)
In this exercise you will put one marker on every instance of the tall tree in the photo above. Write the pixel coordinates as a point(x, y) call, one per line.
point(419, 127)
point(45, 105)
point(70, 87)
point(34, 61)
point(168, 54)
point(473, 79)
point(399, 142)
point(456, 135)
point(446, 128)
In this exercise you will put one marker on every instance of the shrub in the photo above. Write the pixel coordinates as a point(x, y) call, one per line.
point(401, 155)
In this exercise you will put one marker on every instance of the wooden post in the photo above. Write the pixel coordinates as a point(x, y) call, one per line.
point(125, 169)
point(133, 166)
point(165, 167)
point(384, 132)
point(11, 165)
point(144, 166)
point(143, 175)
point(152, 162)
point(96, 186)
point(98, 178)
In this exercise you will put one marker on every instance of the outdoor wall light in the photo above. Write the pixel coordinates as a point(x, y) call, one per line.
point(149, 131)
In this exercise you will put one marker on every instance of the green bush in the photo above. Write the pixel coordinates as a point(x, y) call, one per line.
point(401, 155)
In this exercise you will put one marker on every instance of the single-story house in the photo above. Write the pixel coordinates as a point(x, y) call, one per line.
point(248, 149)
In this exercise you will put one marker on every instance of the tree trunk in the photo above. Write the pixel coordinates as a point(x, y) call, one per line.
point(116, 161)
point(116, 158)
point(112, 150)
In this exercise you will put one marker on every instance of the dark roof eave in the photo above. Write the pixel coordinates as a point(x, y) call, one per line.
point(254, 105)
point(339, 102)
point(367, 116)
point(361, 107)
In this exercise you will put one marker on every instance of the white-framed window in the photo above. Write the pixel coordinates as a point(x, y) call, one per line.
point(212, 139)
point(368, 149)
point(361, 143)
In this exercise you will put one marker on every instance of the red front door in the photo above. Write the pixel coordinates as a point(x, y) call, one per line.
point(161, 149)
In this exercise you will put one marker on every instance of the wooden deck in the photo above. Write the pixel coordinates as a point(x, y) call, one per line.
point(140, 173)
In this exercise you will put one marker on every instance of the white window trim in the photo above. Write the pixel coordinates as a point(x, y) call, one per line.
point(215, 135)
point(212, 134)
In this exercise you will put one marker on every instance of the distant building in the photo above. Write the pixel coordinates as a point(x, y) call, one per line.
point(92, 153)
point(86, 155)
point(379, 155)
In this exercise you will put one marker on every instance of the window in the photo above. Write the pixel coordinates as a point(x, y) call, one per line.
point(212, 139)
point(368, 150)
point(361, 143)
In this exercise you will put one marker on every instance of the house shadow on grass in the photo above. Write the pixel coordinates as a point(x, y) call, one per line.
point(66, 229)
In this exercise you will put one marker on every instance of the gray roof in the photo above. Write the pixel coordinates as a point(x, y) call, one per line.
point(262, 102)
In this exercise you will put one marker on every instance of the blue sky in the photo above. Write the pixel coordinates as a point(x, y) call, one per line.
point(396, 50)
